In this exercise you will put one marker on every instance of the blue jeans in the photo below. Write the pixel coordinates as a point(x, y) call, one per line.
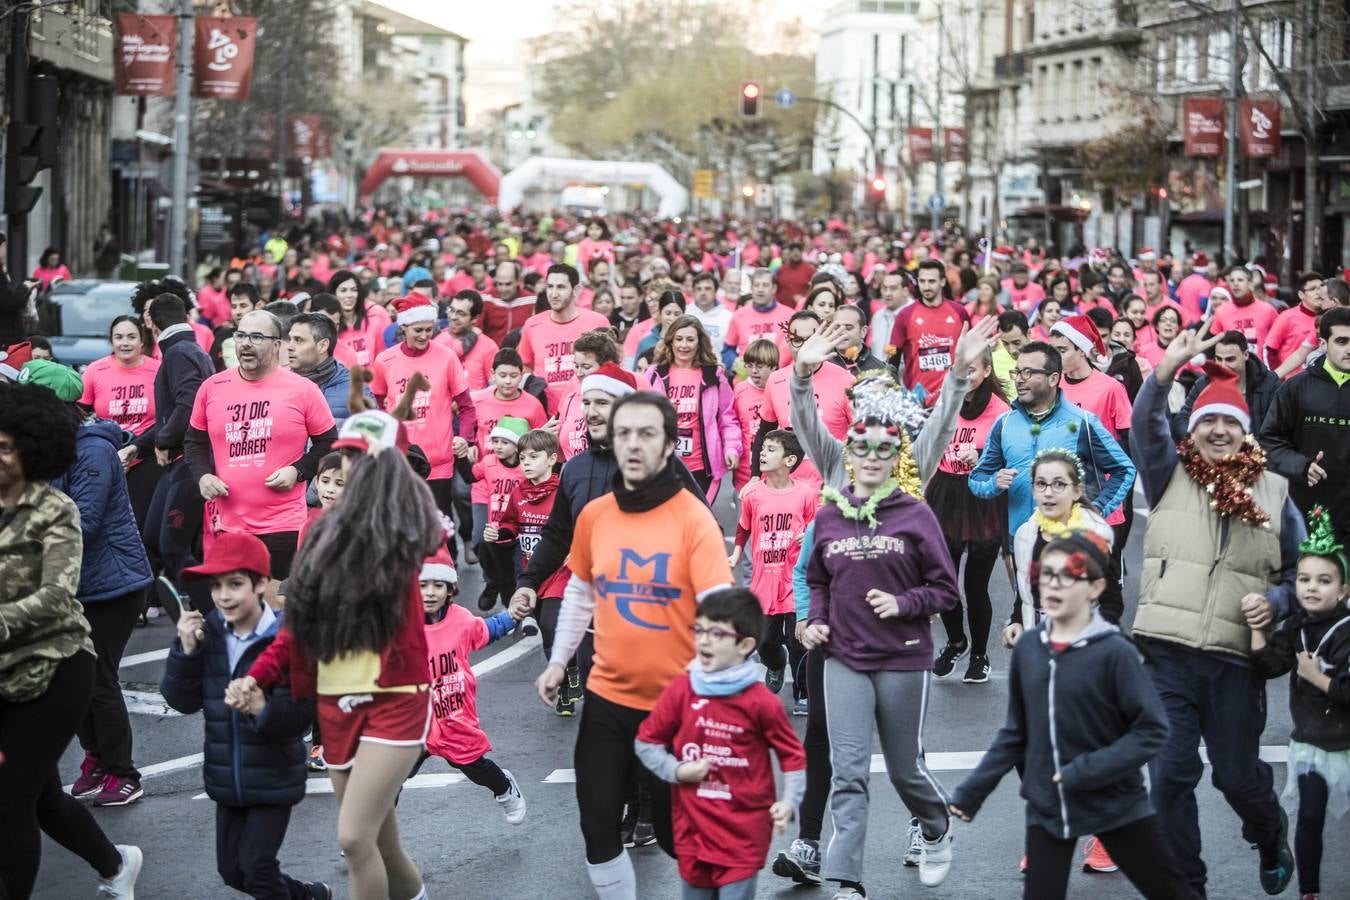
point(1207, 696)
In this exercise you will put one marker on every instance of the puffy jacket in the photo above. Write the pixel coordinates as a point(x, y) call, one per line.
point(248, 760)
point(1260, 394)
point(114, 561)
point(1311, 414)
point(719, 429)
point(335, 391)
point(1321, 719)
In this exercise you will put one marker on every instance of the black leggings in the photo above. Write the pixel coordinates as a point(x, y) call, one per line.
point(32, 737)
point(141, 481)
point(546, 614)
point(781, 648)
point(605, 763)
point(981, 557)
point(1312, 815)
point(105, 730)
point(482, 772)
point(816, 742)
point(1139, 848)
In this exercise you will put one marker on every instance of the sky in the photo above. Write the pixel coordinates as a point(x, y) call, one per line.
point(495, 60)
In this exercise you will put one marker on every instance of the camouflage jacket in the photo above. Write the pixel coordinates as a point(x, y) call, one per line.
point(41, 622)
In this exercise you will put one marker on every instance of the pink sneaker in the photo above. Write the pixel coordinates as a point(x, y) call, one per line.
point(92, 776)
point(119, 792)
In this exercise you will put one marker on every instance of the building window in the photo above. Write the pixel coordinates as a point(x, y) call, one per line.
point(1188, 60)
point(1076, 91)
point(1164, 63)
point(1219, 58)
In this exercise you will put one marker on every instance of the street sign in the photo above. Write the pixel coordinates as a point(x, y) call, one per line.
point(703, 183)
point(1249, 184)
point(936, 202)
point(786, 99)
point(764, 195)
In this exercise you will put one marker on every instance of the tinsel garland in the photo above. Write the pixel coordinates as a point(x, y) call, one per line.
point(1053, 529)
point(1229, 481)
point(868, 510)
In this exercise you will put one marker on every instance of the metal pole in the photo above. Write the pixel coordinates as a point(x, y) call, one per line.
point(16, 73)
point(1230, 164)
point(182, 120)
point(939, 145)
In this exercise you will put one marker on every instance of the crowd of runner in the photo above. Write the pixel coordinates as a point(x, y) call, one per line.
point(294, 457)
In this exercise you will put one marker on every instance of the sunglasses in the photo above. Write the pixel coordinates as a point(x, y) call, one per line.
point(882, 449)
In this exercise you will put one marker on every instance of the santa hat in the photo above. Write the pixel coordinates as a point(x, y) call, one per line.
point(1147, 254)
point(1082, 332)
point(439, 567)
point(1200, 260)
point(1220, 397)
point(416, 307)
point(13, 360)
point(1099, 255)
point(1002, 254)
point(1219, 291)
point(610, 379)
point(510, 428)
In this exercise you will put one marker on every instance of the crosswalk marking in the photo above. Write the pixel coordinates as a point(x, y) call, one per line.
point(137, 659)
point(325, 785)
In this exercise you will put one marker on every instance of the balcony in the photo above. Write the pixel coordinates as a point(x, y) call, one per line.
point(1011, 66)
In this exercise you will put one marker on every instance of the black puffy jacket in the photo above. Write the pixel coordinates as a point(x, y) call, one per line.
point(248, 760)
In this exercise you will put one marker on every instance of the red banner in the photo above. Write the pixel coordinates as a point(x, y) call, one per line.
point(146, 49)
point(306, 137)
point(1204, 126)
point(1259, 128)
point(222, 57)
point(954, 144)
point(920, 145)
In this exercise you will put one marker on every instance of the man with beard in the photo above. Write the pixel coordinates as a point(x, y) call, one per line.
point(925, 333)
point(310, 340)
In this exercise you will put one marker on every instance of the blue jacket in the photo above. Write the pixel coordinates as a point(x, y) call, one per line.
point(1015, 440)
point(114, 562)
point(248, 760)
point(335, 391)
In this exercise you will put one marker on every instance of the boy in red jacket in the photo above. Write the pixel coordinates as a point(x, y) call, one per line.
point(725, 721)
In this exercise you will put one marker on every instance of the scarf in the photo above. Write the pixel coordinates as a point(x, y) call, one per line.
point(323, 372)
point(664, 484)
point(1229, 481)
point(724, 682)
point(1053, 529)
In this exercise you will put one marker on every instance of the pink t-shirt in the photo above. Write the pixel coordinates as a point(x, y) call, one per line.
point(683, 387)
point(214, 305)
point(256, 428)
point(1192, 288)
point(748, 400)
point(477, 362)
point(633, 338)
point(750, 324)
point(364, 344)
point(496, 481)
point(1024, 298)
point(1254, 321)
point(572, 426)
point(491, 409)
point(1292, 327)
point(775, 520)
point(455, 733)
point(829, 385)
point(123, 395)
point(970, 434)
point(546, 348)
point(432, 427)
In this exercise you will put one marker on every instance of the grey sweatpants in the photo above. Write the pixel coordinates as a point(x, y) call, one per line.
point(737, 890)
point(895, 703)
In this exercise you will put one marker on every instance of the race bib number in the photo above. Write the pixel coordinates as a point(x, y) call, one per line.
point(685, 443)
point(528, 543)
point(934, 359)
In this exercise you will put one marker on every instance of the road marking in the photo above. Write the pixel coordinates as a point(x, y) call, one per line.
point(147, 703)
point(325, 785)
point(506, 657)
point(137, 659)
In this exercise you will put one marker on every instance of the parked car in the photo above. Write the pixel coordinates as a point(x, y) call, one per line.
point(77, 315)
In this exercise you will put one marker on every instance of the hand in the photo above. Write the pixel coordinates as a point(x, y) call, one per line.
point(459, 447)
point(1184, 346)
point(1010, 635)
point(253, 699)
point(819, 347)
point(162, 457)
point(886, 606)
point(1315, 471)
point(798, 629)
point(731, 459)
point(548, 683)
point(1004, 479)
point(969, 455)
point(781, 813)
point(283, 479)
point(190, 630)
point(472, 454)
point(972, 343)
point(1310, 669)
point(1055, 778)
point(692, 772)
point(735, 557)
point(956, 811)
point(491, 532)
point(238, 691)
point(128, 455)
point(815, 635)
point(1259, 613)
point(521, 604)
point(551, 426)
point(212, 487)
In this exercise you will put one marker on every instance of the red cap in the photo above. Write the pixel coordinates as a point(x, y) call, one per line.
point(14, 359)
point(1221, 397)
point(610, 379)
point(234, 551)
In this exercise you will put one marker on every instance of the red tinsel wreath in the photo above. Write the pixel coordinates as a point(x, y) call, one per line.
point(1229, 481)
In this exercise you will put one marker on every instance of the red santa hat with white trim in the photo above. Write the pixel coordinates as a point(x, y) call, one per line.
point(414, 308)
point(439, 567)
point(13, 360)
point(1147, 254)
point(610, 379)
point(1002, 253)
point(1221, 397)
point(1082, 332)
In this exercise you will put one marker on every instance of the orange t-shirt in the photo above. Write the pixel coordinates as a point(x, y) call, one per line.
point(647, 570)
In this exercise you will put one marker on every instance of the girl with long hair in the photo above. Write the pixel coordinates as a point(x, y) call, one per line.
point(362, 324)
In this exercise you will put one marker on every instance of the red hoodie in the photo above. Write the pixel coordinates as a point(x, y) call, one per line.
point(527, 510)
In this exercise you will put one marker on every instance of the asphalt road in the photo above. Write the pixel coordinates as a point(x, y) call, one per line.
point(465, 849)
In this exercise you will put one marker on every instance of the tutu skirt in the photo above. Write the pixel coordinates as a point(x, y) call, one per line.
point(963, 516)
point(1332, 765)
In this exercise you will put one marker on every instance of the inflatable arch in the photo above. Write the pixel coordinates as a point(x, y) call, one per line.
point(674, 199)
point(391, 163)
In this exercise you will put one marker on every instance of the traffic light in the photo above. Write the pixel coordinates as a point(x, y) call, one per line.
point(31, 146)
point(877, 187)
point(750, 94)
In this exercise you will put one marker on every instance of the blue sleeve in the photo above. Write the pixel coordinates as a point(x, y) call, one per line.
point(728, 357)
point(801, 594)
point(1151, 439)
point(1293, 531)
point(500, 625)
point(981, 479)
point(1111, 459)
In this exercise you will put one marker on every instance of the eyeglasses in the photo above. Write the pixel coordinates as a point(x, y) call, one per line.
point(1060, 579)
point(882, 449)
point(1311, 289)
point(253, 337)
point(794, 342)
point(714, 633)
point(1024, 374)
point(1058, 486)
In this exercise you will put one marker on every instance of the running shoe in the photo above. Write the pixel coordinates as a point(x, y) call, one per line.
point(1022, 866)
point(122, 886)
point(320, 891)
point(936, 861)
point(118, 791)
point(774, 678)
point(913, 844)
point(92, 776)
point(487, 599)
point(628, 825)
point(566, 704)
point(315, 762)
point(469, 556)
point(644, 834)
point(512, 802)
point(1095, 857)
point(977, 672)
point(800, 707)
point(1277, 861)
point(801, 862)
point(848, 893)
point(947, 659)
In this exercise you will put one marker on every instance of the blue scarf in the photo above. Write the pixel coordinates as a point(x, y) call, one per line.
point(724, 682)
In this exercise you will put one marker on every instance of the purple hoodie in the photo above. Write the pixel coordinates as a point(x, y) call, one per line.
point(905, 555)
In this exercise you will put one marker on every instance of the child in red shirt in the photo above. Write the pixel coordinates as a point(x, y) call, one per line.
point(724, 721)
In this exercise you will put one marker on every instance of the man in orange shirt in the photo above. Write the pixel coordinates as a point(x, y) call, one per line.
point(642, 558)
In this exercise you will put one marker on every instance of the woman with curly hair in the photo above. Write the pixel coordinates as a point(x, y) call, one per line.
point(47, 659)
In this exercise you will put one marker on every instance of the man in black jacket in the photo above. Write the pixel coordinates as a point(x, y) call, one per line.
point(13, 303)
point(1257, 383)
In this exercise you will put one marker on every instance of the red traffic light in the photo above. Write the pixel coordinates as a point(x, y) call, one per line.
point(879, 185)
point(750, 92)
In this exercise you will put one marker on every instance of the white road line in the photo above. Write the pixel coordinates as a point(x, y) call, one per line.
point(506, 657)
point(137, 659)
point(147, 703)
point(325, 785)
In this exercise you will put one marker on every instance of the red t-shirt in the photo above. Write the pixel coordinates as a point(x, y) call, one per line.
point(432, 426)
point(970, 434)
point(926, 337)
point(794, 283)
point(684, 387)
point(724, 819)
point(256, 428)
point(546, 348)
point(522, 522)
point(124, 395)
point(750, 324)
point(455, 732)
point(491, 409)
point(770, 526)
point(477, 362)
point(748, 400)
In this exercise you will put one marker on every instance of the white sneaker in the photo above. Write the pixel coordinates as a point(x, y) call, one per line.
point(913, 844)
point(122, 885)
point(848, 893)
point(512, 802)
point(937, 860)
